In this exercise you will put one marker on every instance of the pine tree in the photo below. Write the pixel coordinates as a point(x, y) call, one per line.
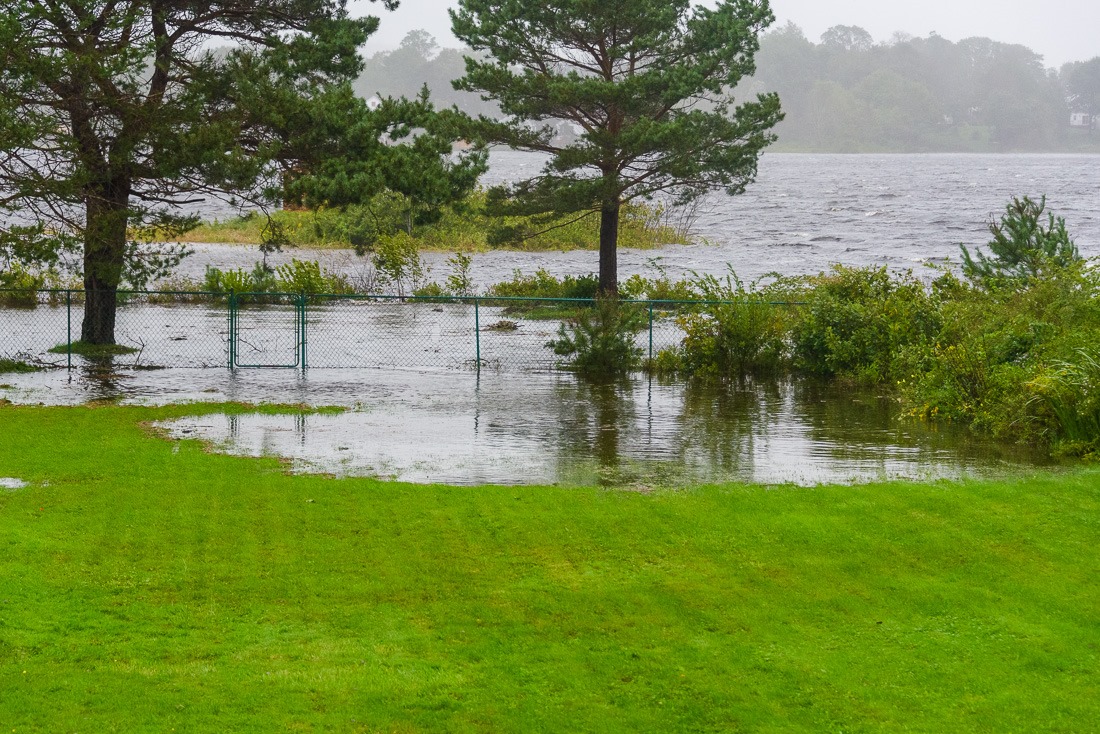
point(647, 83)
point(1023, 247)
point(113, 114)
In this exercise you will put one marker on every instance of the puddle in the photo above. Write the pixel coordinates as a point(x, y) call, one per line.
point(11, 483)
point(555, 429)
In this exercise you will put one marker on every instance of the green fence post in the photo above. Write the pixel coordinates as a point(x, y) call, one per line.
point(69, 329)
point(302, 322)
point(232, 328)
point(651, 331)
point(477, 331)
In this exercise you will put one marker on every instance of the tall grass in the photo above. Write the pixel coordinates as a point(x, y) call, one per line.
point(1071, 391)
point(464, 228)
point(735, 330)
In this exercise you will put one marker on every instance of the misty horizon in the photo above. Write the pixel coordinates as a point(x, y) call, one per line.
point(1061, 31)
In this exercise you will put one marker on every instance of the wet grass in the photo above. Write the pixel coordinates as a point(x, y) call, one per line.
point(14, 366)
point(93, 351)
point(150, 585)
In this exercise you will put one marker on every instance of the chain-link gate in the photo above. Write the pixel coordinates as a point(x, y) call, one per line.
point(267, 335)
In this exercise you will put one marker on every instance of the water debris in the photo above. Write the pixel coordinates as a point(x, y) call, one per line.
point(11, 483)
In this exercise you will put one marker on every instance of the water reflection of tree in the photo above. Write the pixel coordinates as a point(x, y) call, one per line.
point(102, 380)
point(624, 429)
point(847, 430)
point(722, 423)
point(858, 424)
point(849, 422)
point(652, 433)
point(596, 419)
point(658, 434)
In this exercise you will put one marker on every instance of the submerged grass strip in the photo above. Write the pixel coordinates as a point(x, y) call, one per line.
point(94, 351)
point(642, 227)
point(14, 366)
point(147, 585)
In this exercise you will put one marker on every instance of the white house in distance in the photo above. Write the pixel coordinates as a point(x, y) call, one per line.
point(1082, 119)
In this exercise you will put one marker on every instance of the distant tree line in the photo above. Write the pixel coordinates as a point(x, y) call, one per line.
point(417, 62)
point(848, 93)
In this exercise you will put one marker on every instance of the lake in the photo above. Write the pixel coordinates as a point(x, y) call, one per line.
point(804, 213)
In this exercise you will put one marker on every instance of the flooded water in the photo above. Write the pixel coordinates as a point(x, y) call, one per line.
point(804, 214)
point(451, 425)
point(638, 434)
point(457, 428)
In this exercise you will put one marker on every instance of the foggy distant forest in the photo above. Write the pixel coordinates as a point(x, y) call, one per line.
point(846, 94)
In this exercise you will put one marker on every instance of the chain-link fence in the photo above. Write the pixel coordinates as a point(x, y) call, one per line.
point(160, 329)
point(152, 330)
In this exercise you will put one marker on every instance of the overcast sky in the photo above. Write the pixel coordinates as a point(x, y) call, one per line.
point(1060, 30)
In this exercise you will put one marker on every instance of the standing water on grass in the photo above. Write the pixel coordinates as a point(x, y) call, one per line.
point(555, 429)
point(515, 423)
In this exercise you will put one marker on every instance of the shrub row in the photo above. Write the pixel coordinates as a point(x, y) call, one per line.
point(1016, 359)
point(1010, 346)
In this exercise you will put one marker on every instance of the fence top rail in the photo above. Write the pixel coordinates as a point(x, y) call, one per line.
point(413, 298)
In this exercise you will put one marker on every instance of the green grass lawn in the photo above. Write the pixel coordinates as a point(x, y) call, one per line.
point(149, 585)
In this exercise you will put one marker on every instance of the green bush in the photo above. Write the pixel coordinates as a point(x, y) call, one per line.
point(296, 277)
point(1071, 392)
point(1014, 355)
point(1004, 358)
point(228, 281)
point(460, 282)
point(862, 324)
point(599, 342)
point(660, 288)
point(432, 291)
point(306, 277)
point(542, 284)
point(397, 262)
point(736, 331)
point(20, 284)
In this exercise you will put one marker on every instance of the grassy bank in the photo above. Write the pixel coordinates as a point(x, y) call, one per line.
point(467, 229)
point(149, 585)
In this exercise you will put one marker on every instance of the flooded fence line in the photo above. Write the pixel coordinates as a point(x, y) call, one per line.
point(299, 331)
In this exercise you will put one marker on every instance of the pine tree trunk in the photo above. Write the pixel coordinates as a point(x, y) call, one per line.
point(609, 243)
point(107, 210)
